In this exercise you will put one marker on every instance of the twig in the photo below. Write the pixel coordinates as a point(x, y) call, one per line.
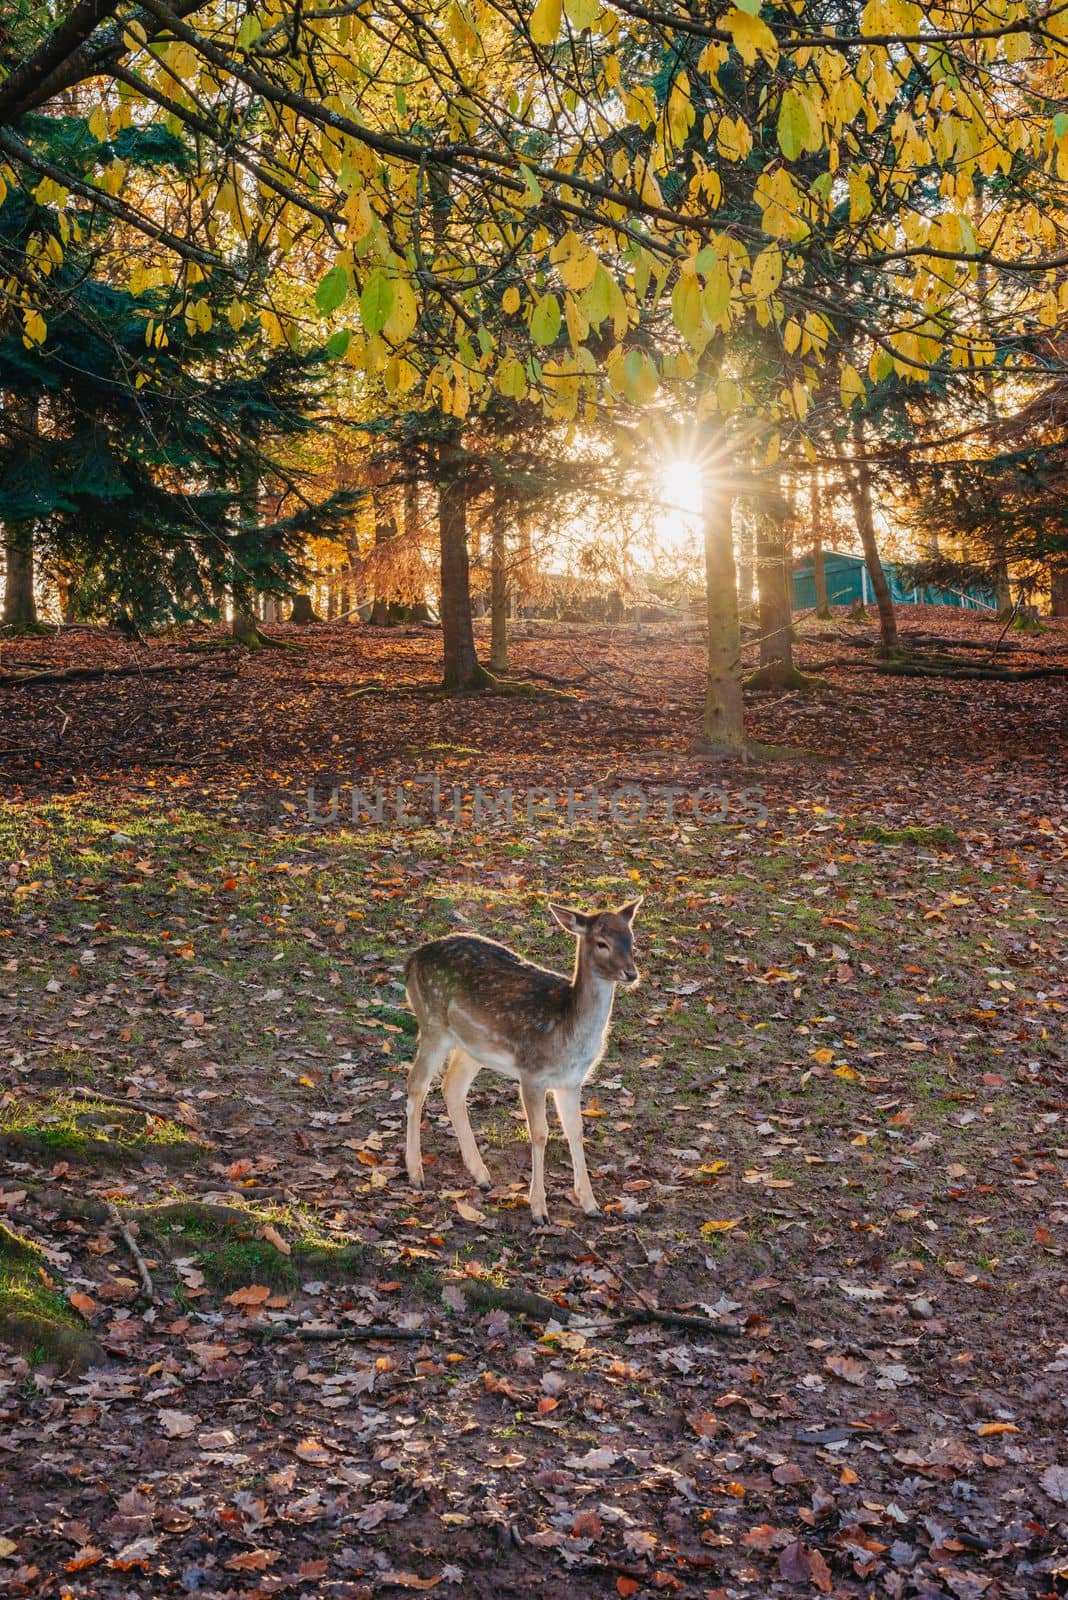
point(1009, 620)
point(119, 1103)
point(679, 1319)
point(644, 1312)
point(131, 1245)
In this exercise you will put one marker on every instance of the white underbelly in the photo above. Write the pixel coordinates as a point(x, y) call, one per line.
point(487, 1047)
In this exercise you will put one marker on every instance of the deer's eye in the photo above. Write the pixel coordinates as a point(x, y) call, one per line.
point(602, 944)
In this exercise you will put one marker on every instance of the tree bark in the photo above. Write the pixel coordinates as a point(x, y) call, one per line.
point(1002, 587)
point(776, 644)
point(722, 722)
point(498, 597)
point(747, 561)
point(20, 606)
point(462, 669)
point(303, 612)
point(382, 613)
point(819, 571)
point(1058, 587)
point(860, 493)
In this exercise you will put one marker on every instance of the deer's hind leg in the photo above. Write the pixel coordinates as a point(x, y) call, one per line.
point(429, 1058)
point(459, 1076)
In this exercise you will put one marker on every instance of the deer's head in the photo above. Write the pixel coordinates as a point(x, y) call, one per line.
point(606, 939)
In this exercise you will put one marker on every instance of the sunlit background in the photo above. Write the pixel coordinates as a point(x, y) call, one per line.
point(679, 521)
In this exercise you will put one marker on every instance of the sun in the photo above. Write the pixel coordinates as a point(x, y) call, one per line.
point(680, 494)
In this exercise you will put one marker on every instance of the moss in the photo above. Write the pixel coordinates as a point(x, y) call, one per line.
point(778, 676)
point(35, 1319)
point(233, 1252)
point(93, 1133)
point(909, 835)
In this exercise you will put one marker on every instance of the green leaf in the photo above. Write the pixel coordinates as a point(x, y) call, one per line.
point(1060, 124)
point(338, 343)
point(798, 125)
point(376, 301)
point(751, 7)
point(545, 323)
point(705, 259)
point(333, 291)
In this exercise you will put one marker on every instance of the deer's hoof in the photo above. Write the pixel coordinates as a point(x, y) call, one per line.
point(540, 1219)
point(590, 1206)
point(415, 1180)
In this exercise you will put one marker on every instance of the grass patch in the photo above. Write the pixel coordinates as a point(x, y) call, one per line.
point(107, 1134)
point(910, 835)
point(35, 1319)
point(235, 1245)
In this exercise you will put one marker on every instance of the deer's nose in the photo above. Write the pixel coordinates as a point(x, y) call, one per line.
point(630, 974)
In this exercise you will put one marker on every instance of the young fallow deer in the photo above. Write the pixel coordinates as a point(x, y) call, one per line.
point(484, 1006)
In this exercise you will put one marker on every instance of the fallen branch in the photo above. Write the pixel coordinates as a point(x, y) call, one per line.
point(132, 1246)
point(679, 1319)
point(268, 1331)
point(18, 680)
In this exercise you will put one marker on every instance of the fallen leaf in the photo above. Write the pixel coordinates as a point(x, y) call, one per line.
point(253, 1561)
point(83, 1303)
point(254, 1294)
point(846, 1368)
point(593, 1460)
point(177, 1424)
point(1055, 1483)
point(720, 1225)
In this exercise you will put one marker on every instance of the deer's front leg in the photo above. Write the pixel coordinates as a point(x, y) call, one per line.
point(569, 1110)
point(534, 1110)
point(429, 1056)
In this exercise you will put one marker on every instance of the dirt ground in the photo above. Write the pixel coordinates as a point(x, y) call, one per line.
point(817, 1340)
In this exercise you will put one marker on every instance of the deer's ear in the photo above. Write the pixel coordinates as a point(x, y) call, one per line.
point(575, 922)
point(629, 912)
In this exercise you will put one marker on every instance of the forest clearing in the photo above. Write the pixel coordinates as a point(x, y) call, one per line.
point(829, 1131)
point(533, 811)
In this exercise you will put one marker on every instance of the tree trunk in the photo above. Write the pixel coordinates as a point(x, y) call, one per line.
point(20, 607)
point(1058, 593)
point(745, 529)
point(462, 670)
point(382, 613)
point(1002, 587)
point(776, 645)
point(819, 571)
point(860, 493)
point(498, 598)
point(722, 723)
point(303, 612)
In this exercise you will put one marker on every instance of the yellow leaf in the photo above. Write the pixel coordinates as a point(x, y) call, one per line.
point(34, 328)
point(751, 37)
point(822, 1058)
point(545, 22)
point(722, 1225)
point(849, 1073)
point(510, 300)
point(851, 385)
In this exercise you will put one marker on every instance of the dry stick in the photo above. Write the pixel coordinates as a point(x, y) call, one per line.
point(131, 1245)
point(647, 1313)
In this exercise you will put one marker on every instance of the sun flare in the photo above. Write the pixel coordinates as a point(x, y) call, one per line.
point(680, 491)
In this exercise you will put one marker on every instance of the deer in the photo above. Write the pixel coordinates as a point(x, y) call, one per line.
point(478, 1004)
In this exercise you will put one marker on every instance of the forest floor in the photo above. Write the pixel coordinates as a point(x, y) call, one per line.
point(831, 1128)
